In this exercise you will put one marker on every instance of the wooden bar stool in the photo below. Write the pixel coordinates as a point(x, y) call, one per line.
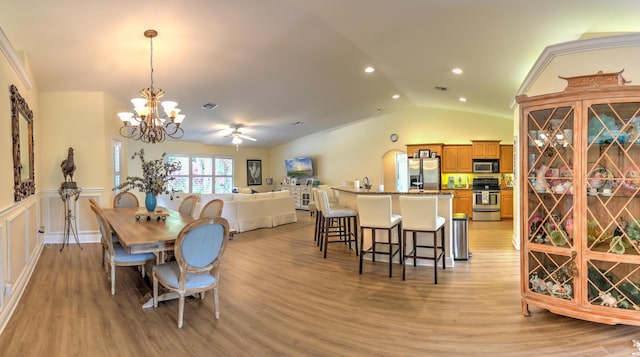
point(375, 214)
point(336, 222)
point(420, 214)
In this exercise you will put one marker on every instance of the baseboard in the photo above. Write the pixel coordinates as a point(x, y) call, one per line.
point(17, 289)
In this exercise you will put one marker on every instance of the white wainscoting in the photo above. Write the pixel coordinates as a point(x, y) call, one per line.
point(26, 227)
point(88, 231)
point(20, 247)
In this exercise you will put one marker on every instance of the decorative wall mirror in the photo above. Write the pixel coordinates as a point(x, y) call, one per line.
point(22, 134)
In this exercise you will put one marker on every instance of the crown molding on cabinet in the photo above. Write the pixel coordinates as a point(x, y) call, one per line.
point(564, 48)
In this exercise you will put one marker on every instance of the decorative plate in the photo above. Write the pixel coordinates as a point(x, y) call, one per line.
point(534, 223)
point(599, 176)
point(631, 181)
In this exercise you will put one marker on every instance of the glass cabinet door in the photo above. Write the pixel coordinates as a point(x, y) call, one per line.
point(549, 201)
point(612, 222)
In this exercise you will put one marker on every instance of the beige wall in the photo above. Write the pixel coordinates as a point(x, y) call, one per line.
point(356, 150)
point(8, 77)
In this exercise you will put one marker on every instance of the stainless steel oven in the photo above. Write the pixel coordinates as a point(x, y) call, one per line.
point(486, 199)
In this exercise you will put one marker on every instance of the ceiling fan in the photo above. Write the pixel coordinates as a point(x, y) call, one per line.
point(237, 135)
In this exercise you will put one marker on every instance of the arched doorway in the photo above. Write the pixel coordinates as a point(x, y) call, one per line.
point(394, 170)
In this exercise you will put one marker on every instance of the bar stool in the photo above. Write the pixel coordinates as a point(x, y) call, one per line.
point(375, 213)
point(420, 214)
point(319, 221)
point(336, 222)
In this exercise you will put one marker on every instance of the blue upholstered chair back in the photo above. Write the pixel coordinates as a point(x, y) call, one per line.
point(201, 244)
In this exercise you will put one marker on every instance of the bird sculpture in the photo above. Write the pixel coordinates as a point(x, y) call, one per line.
point(68, 166)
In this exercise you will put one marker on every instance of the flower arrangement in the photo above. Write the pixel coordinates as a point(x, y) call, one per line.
point(155, 175)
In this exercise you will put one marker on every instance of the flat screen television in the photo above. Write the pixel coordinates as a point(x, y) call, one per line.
point(300, 166)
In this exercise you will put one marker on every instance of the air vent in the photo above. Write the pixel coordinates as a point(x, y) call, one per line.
point(442, 89)
point(209, 106)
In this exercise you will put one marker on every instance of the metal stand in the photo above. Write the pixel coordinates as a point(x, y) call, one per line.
point(69, 197)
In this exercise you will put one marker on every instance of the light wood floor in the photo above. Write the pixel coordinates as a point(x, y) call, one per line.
point(279, 297)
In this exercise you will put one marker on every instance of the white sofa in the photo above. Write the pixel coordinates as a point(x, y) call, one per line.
point(246, 212)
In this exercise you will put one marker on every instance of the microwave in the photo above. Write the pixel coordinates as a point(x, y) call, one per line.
point(486, 166)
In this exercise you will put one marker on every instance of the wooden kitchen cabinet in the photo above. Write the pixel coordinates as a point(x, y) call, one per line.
point(506, 203)
point(485, 149)
point(506, 159)
point(461, 203)
point(456, 158)
point(414, 148)
point(580, 200)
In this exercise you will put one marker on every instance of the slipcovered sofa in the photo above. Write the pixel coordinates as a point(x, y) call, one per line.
point(246, 212)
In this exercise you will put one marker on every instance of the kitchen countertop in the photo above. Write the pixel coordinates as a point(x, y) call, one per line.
point(376, 192)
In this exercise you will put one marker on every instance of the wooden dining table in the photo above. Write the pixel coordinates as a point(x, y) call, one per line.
point(142, 233)
point(139, 233)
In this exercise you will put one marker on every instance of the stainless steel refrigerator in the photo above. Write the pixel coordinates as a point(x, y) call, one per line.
point(424, 173)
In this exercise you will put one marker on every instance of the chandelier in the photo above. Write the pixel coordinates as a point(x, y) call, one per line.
point(147, 123)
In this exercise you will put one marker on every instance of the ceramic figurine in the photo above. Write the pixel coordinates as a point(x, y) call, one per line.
point(608, 300)
point(540, 178)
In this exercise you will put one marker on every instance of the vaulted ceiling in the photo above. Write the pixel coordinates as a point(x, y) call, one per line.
point(271, 63)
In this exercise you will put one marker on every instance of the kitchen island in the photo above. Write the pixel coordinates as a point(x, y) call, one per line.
point(347, 197)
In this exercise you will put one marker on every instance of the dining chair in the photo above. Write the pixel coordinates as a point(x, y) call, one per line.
point(212, 208)
point(420, 215)
point(375, 214)
point(113, 253)
point(198, 251)
point(125, 199)
point(188, 205)
point(114, 236)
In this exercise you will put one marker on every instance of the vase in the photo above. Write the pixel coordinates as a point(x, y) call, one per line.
point(150, 202)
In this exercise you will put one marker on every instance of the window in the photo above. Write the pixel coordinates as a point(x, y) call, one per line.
point(202, 174)
point(117, 162)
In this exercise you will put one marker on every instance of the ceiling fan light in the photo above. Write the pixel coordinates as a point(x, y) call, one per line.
point(236, 140)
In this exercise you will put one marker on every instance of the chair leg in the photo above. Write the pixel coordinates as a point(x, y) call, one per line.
point(435, 255)
point(389, 236)
point(180, 309)
point(142, 269)
point(404, 250)
point(326, 236)
point(113, 278)
point(155, 290)
point(415, 248)
point(361, 248)
point(373, 244)
point(443, 250)
point(216, 306)
point(355, 233)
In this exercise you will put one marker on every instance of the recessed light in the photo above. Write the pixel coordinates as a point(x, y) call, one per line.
point(457, 70)
point(462, 99)
point(396, 96)
point(369, 69)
